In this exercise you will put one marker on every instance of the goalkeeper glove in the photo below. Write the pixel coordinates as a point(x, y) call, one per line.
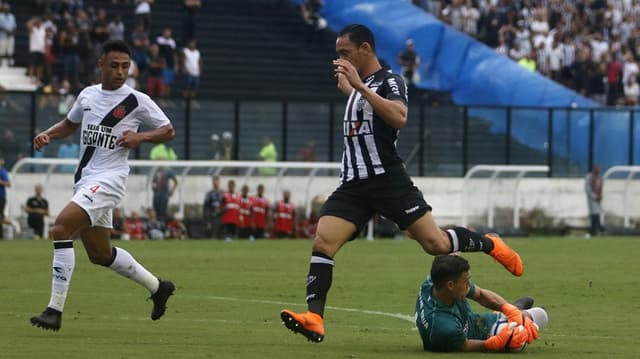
point(514, 314)
point(511, 336)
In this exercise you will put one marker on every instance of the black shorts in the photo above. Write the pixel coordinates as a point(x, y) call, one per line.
point(37, 58)
point(392, 195)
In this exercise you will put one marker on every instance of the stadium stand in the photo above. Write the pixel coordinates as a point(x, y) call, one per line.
point(249, 48)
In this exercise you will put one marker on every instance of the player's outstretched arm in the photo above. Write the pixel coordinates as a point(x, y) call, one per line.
point(61, 129)
point(488, 299)
point(131, 139)
point(473, 345)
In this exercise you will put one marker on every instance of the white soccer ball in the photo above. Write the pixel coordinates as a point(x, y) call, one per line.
point(499, 324)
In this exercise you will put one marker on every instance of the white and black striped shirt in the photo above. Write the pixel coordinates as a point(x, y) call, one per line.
point(369, 142)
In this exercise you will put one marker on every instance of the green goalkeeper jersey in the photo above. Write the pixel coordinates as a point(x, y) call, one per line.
point(444, 328)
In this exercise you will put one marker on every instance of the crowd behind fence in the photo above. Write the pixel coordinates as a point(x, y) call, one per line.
point(438, 141)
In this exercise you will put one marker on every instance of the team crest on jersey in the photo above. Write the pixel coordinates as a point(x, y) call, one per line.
point(119, 112)
point(361, 103)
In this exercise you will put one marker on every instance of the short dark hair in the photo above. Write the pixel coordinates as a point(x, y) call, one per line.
point(359, 34)
point(115, 45)
point(446, 267)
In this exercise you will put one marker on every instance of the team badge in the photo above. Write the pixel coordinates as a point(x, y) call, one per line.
point(119, 112)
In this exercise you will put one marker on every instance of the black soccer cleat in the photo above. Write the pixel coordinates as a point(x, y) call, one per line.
point(160, 297)
point(50, 319)
point(523, 303)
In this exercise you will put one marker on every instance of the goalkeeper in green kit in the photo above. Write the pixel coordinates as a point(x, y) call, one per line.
point(446, 322)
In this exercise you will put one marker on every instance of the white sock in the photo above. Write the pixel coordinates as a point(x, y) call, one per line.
point(125, 265)
point(64, 260)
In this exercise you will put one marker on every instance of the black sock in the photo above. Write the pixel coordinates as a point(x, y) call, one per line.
point(464, 240)
point(319, 281)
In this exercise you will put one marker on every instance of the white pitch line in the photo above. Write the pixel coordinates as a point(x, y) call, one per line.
point(409, 318)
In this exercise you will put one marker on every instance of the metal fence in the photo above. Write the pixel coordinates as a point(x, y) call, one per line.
point(437, 141)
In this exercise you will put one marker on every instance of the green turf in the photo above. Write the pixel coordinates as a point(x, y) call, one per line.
point(229, 296)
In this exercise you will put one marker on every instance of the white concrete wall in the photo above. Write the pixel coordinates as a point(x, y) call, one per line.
point(560, 198)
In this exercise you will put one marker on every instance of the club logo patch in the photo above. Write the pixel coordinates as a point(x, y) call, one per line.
point(119, 112)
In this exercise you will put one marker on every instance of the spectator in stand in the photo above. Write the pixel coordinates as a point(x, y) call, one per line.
point(529, 62)
point(119, 230)
point(593, 189)
point(189, 10)
point(116, 28)
point(212, 209)
point(409, 60)
point(10, 149)
point(135, 226)
point(157, 65)
point(176, 229)
point(142, 13)
point(100, 32)
point(307, 153)
point(244, 228)
point(162, 152)
point(230, 211)
point(132, 76)
point(140, 42)
point(268, 153)
point(470, 17)
point(164, 184)
point(629, 67)
point(37, 42)
point(555, 59)
point(154, 228)
point(68, 42)
point(192, 67)
point(7, 32)
point(167, 47)
point(284, 217)
point(614, 79)
point(310, 10)
point(453, 14)
point(631, 91)
point(37, 208)
point(5, 183)
point(259, 213)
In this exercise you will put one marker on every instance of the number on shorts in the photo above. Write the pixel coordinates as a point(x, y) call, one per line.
point(94, 189)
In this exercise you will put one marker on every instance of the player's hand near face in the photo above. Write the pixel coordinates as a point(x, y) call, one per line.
point(129, 139)
point(345, 68)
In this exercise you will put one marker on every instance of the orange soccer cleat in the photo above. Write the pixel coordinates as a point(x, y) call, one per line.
point(505, 255)
point(308, 324)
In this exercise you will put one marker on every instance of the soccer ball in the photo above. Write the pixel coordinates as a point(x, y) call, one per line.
point(499, 324)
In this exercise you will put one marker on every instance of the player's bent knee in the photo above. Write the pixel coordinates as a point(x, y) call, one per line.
point(59, 233)
point(324, 245)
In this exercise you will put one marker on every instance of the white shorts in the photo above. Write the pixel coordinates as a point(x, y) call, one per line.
point(98, 201)
point(7, 46)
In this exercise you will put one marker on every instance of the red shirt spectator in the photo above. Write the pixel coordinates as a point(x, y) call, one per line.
point(135, 226)
point(245, 212)
point(231, 208)
point(284, 217)
point(259, 211)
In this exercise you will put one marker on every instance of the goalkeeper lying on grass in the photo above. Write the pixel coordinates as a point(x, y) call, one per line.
point(446, 322)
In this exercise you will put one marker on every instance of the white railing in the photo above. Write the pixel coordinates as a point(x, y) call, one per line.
point(495, 171)
point(47, 167)
point(626, 197)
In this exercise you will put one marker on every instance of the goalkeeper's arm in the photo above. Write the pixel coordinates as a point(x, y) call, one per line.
point(494, 301)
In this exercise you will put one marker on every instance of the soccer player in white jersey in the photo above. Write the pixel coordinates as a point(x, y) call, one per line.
point(108, 115)
point(374, 180)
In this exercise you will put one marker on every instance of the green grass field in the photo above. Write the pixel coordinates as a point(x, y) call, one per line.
point(229, 296)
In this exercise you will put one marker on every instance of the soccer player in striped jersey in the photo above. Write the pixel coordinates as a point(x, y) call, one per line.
point(108, 116)
point(374, 180)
